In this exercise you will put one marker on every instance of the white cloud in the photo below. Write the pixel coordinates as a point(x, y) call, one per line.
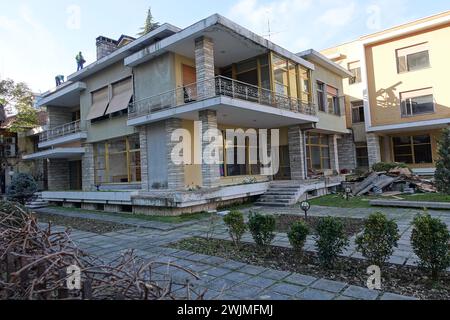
point(338, 17)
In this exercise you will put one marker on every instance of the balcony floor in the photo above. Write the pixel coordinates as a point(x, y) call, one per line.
point(231, 111)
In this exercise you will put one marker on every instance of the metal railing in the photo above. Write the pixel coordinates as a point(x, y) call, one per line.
point(218, 86)
point(60, 131)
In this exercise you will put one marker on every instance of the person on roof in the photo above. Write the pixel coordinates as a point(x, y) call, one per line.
point(80, 61)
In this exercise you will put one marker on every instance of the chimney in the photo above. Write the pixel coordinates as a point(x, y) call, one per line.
point(105, 46)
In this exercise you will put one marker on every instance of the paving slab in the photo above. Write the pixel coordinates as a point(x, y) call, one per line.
point(361, 293)
point(315, 294)
point(329, 285)
point(300, 279)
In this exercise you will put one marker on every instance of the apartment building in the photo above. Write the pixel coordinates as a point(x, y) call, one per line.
point(109, 139)
point(397, 101)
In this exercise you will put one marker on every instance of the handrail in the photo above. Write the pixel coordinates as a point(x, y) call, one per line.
point(214, 87)
point(60, 131)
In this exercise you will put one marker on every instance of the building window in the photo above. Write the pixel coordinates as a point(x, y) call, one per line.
point(118, 161)
point(305, 84)
point(413, 58)
point(280, 73)
point(413, 149)
point(417, 102)
point(321, 96)
point(358, 111)
point(333, 101)
point(317, 152)
point(362, 156)
point(355, 69)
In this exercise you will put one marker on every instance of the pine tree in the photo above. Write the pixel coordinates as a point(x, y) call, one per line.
point(442, 175)
point(150, 25)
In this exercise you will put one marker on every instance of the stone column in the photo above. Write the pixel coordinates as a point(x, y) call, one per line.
point(210, 172)
point(334, 158)
point(204, 63)
point(297, 157)
point(58, 175)
point(143, 141)
point(346, 152)
point(373, 148)
point(175, 173)
point(88, 171)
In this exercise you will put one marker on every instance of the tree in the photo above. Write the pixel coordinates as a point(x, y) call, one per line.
point(150, 25)
point(22, 188)
point(20, 96)
point(442, 175)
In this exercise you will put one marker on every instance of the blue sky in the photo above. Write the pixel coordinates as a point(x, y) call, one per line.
point(41, 38)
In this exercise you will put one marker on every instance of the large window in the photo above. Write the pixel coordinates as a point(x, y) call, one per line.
point(358, 111)
point(321, 96)
point(317, 152)
point(413, 149)
point(333, 101)
point(362, 156)
point(417, 102)
point(413, 58)
point(305, 84)
point(355, 69)
point(118, 161)
point(280, 73)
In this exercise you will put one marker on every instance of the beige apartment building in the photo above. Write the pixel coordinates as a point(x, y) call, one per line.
point(398, 100)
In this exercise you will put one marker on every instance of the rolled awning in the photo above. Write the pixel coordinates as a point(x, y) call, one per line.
point(100, 101)
point(122, 94)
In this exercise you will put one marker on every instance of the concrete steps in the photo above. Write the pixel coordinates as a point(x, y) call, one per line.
point(37, 203)
point(280, 195)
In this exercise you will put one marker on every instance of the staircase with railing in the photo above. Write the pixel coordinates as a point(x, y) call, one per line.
point(216, 87)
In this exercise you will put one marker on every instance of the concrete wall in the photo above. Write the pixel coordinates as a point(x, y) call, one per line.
point(58, 175)
point(385, 84)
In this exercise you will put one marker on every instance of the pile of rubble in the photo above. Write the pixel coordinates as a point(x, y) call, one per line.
point(396, 181)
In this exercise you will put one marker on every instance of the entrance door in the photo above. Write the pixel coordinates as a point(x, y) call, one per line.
point(285, 165)
point(75, 175)
point(189, 83)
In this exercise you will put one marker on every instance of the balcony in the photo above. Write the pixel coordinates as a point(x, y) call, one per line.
point(65, 133)
point(221, 92)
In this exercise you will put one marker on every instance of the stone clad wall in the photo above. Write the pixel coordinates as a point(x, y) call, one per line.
point(88, 172)
point(373, 148)
point(297, 153)
point(347, 152)
point(58, 175)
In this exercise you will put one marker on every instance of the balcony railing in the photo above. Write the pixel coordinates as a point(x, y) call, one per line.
point(60, 131)
point(215, 87)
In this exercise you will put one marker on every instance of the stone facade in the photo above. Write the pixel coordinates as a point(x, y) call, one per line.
point(204, 62)
point(105, 46)
point(346, 152)
point(88, 172)
point(58, 175)
point(175, 173)
point(144, 160)
point(297, 153)
point(210, 172)
point(373, 148)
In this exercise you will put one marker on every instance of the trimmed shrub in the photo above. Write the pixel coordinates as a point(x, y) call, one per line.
point(22, 188)
point(262, 228)
point(378, 239)
point(297, 235)
point(387, 166)
point(430, 241)
point(236, 226)
point(330, 240)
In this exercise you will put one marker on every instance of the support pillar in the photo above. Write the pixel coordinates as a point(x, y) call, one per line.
point(175, 173)
point(210, 172)
point(373, 149)
point(297, 157)
point(88, 170)
point(204, 63)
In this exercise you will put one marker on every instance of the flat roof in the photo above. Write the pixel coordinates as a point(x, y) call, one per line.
point(322, 60)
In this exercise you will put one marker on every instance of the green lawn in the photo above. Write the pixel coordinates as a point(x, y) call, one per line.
point(337, 200)
point(180, 219)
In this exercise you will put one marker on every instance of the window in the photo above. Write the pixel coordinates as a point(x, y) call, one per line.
point(358, 112)
point(321, 96)
point(280, 73)
point(118, 161)
point(305, 84)
point(413, 149)
point(362, 156)
point(317, 152)
point(413, 58)
point(355, 68)
point(417, 102)
point(333, 101)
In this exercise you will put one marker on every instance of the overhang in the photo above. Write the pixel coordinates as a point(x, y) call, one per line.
point(66, 95)
point(411, 126)
point(78, 136)
point(232, 43)
point(231, 111)
point(57, 153)
point(318, 58)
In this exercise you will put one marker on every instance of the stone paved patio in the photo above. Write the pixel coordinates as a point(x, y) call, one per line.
point(226, 279)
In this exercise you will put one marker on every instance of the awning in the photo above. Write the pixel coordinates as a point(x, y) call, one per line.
point(122, 94)
point(99, 104)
